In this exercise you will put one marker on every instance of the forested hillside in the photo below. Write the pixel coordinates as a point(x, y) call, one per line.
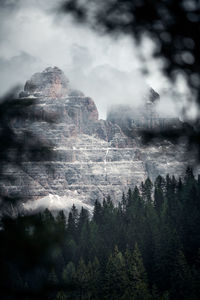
point(146, 248)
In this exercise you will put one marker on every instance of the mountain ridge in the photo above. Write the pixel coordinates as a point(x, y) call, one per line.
point(91, 158)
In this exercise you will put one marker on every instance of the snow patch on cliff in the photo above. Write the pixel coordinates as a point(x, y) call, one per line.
point(56, 203)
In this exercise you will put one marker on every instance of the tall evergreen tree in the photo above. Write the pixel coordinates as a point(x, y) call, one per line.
point(94, 280)
point(159, 193)
point(69, 274)
point(136, 285)
point(146, 190)
point(115, 276)
point(83, 219)
point(180, 279)
point(82, 277)
point(97, 214)
point(72, 222)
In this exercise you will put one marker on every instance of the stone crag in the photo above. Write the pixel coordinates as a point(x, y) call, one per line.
point(91, 158)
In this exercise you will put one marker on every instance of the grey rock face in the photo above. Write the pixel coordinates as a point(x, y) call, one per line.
point(91, 158)
point(145, 117)
point(50, 83)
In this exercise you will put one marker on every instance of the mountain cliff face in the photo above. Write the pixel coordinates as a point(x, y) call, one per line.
point(91, 158)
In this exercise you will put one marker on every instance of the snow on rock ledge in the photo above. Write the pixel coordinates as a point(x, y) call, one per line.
point(92, 158)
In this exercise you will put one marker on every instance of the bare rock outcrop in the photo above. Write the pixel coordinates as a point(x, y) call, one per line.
point(50, 83)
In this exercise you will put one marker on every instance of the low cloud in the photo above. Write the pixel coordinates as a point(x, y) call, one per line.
point(33, 37)
point(57, 203)
point(101, 66)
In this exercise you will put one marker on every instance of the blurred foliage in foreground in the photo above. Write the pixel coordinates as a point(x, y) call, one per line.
point(19, 143)
point(174, 28)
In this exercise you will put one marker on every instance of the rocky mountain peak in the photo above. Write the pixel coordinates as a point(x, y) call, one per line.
point(152, 96)
point(91, 158)
point(133, 119)
point(51, 82)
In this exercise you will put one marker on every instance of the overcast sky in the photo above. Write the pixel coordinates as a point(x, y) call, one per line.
point(33, 36)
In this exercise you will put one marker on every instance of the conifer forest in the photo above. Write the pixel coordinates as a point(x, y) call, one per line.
point(148, 247)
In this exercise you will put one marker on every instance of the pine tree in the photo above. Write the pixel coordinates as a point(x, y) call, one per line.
point(195, 280)
point(146, 190)
point(47, 217)
point(189, 176)
point(61, 221)
point(61, 296)
point(190, 215)
point(159, 193)
point(94, 279)
point(137, 287)
point(172, 204)
point(115, 276)
point(84, 239)
point(180, 277)
point(97, 215)
point(96, 275)
point(82, 219)
point(40, 249)
point(129, 198)
point(72, 222)
point(69, 274)
point(123, 203)
point(166, 253)
point(180, 185)
point(82, 277)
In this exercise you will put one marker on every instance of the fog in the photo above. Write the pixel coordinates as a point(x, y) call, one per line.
point(56, 203)
point(109, 69)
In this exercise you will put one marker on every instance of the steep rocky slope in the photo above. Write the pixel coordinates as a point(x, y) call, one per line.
point(91, 158)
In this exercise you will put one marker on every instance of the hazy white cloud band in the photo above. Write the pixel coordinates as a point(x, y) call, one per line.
point(33, 36)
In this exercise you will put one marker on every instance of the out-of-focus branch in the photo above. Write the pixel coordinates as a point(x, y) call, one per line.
point(17, 146)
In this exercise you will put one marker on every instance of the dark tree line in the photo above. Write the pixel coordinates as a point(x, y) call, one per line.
point(148, 247)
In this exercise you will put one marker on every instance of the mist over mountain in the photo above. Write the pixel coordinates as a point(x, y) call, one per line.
point(99, 150)
point(91, 158)
point(91, 59)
